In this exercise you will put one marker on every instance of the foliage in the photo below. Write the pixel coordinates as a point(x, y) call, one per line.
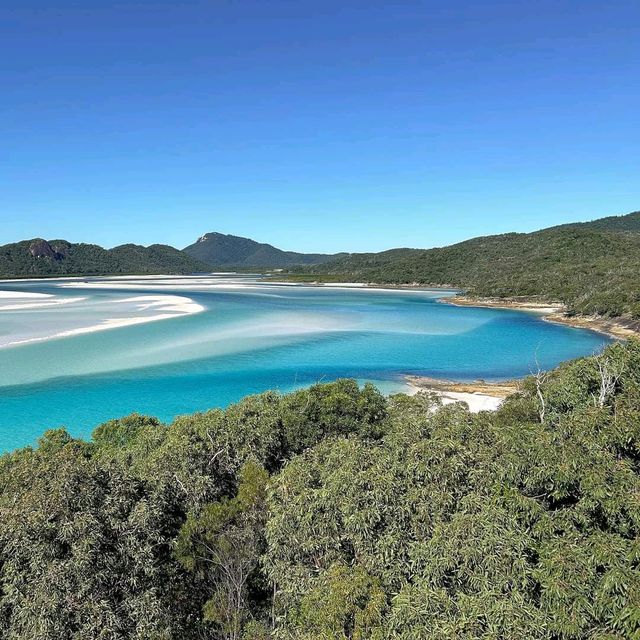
point(334, 513)
point(223, 542)
point(592, 267)
point(82, 547)
point(330, 409)
point(37, 257)
point(224, 250)
point(344, 603)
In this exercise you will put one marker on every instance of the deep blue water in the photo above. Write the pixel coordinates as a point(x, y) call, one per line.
point(248, 339)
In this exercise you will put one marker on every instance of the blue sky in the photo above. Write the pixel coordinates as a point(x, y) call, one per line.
point(316, 126)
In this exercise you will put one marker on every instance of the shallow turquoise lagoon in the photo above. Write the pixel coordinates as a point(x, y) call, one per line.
point(205, 341)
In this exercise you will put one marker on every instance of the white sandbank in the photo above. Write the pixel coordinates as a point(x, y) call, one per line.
point(362, 286)
point(112, 323)
point(165, 306)
point(475, 401)
point(348, 285)
point(23, 294)
point(13, 300)
point(162, 284)
point(36, 305)
point(172, 304)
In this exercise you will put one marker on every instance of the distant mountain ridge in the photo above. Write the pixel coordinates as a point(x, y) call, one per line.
point(39, 257)
point(225, 250)
point(593, 267)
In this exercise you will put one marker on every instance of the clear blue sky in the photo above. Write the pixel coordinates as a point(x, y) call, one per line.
point(316, 126)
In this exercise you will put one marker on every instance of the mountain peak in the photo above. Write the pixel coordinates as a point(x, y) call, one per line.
point(226, 250)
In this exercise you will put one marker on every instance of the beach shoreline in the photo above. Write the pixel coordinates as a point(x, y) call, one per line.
point(617, 328)
point(620, 328)
point(479, 395)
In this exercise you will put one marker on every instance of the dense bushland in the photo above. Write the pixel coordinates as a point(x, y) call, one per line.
point(38, 257)
point(335, 513)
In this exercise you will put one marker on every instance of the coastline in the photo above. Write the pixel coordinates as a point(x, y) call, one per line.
point(359, 285)
point(154, 306)
point(617, 328)
point(620, 328)
point(480, 395)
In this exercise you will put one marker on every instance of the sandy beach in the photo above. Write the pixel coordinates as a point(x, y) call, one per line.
point(478, 395)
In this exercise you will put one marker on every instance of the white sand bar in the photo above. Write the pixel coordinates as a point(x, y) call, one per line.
point(87, 315)
point(23, 294)
point(18, 300)
point(475, 401)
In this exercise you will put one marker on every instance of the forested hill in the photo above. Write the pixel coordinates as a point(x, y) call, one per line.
point(220, 250)
point(38, 257)
point(592, 267)
point(335, 513)
point(629, 223)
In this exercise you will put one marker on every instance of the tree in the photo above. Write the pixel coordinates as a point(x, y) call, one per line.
point(222, 543)
point(85, 550)
point(345, 603)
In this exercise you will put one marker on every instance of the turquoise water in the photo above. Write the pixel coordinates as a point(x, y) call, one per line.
point(249, 337)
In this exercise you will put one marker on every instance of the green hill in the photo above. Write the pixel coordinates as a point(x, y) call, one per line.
point(38, 257)
point(220, 250)
point(592, 267)
point(629, 222)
